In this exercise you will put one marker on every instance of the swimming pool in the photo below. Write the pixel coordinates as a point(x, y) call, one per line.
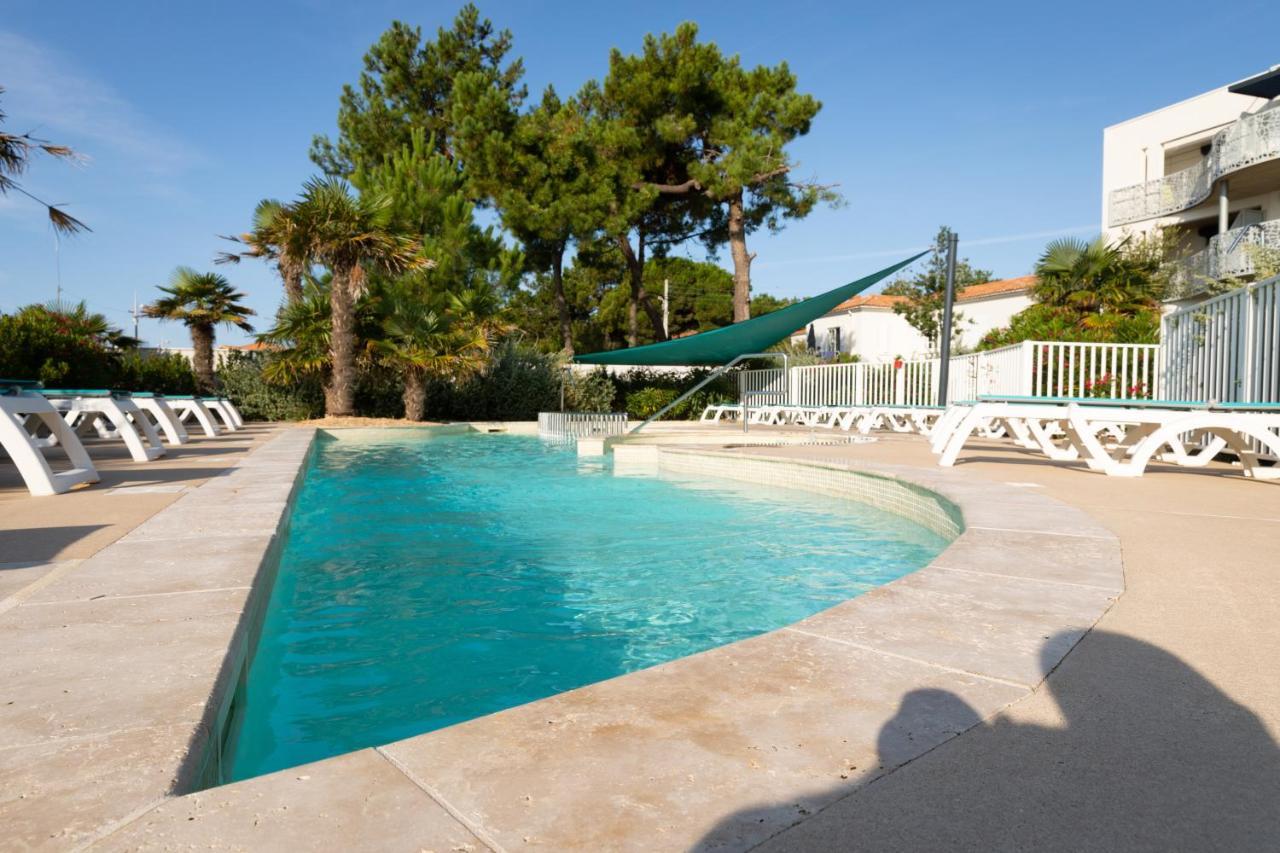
point(429, 579)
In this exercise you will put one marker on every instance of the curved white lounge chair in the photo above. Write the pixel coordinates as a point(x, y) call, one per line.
point(190, 407)
point(163, 417)
point(21, 404)
point(82, 408)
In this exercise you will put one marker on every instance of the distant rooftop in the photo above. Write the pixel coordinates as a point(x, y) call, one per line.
point(986, 290)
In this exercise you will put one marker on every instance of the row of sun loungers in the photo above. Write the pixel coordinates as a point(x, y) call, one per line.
point(34, 419)
point(1115, 437)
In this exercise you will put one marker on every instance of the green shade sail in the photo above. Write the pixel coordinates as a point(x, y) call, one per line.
point(721, 346)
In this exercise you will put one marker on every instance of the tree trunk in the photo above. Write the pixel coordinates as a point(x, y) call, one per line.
point(292, 285)
point(339, 395)
point(741, 259)
point(415, 396)
point(291, 276)
point(562, 305)
point(639, 298)
point(202, 357)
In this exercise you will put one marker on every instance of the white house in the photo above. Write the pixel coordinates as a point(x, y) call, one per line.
point(1208, 168)
point(866, 326)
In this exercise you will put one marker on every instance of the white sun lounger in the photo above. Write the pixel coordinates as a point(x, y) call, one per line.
point(233, 411)
point(224, 410)
point(1120, 437)
point(22, 405)
point(163, 417)
point(83, 408)
point(188, 407)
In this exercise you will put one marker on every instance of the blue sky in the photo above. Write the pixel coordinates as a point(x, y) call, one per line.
point(987, 117)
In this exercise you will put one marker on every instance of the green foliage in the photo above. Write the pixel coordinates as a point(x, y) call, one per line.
point(201, 300)
point(647, 384)
point(408, 84)
point(427, 199)
point(646, 402)
point(926, 291)
point(161, 373)
point(1055, 323)
point(244, 380)
point(542, 170)
point(1097, 278)
point(73, 347)
point(593, 391)
point(1090, 292)
point(710, 143)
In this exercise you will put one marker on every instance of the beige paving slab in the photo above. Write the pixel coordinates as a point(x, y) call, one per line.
point(60, 794)
point(151, 568)
point(647, 761)
point(118, 663)
point(1068, 559)
point(201, 520)
point(356, 802)
point(17, 576)
point(1002, 627)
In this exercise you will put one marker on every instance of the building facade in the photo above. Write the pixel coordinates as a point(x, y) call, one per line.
point(867, 326)
point(1206, 172)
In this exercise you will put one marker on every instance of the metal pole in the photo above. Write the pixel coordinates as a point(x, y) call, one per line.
point(1224, 208)
point(666, 308)
point(944, 361)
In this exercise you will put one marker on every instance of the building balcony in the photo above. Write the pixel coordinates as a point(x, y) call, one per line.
point(1254, 138)
point(1228, 255)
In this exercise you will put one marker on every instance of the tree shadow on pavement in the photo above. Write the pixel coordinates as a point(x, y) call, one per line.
point(1125, 747)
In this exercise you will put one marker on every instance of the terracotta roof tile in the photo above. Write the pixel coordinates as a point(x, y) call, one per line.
point(976, 291)
point(992, 288)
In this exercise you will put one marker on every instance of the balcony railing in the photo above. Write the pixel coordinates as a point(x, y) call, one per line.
point(1254, 138)
point(1228, 255)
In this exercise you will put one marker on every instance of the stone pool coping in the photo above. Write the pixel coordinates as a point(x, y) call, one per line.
point(708, 750)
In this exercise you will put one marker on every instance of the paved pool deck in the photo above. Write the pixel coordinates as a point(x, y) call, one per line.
point(914, 717)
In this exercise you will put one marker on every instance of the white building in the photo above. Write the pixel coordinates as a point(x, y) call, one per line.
point(868, 327)
point(1209, 169)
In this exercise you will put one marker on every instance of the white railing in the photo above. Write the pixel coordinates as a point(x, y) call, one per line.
point(766, 387)
point(1031, 368)
point(581, 424)
point(1254, 138)
point(1230, 254)
point(1123, 371)
point(1226, 348)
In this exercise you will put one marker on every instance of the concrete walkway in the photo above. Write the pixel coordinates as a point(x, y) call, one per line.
point(1159, 731)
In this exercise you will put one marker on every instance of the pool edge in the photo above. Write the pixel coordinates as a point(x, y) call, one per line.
point(413, 757)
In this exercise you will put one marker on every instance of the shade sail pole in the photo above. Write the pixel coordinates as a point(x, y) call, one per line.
point(944, 361)
point(715, 374)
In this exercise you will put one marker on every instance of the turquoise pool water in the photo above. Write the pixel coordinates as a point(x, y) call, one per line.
point(428, 580)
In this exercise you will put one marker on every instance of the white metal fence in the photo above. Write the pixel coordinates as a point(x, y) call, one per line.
point(1226, 348)
point(581, 424)
point(1031, 368)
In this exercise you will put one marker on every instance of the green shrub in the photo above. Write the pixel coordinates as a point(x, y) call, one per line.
point(590, 392)
point(519, 383)
point(37, 344)
point(647, 402)
point(241, 379)
point(161, 373)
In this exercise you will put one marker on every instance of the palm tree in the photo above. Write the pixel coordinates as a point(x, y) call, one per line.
point(1095, 277)
point(276, 236)
point(351, 235)
point(301, 332)
point(201, 301)
point(426, 338)
point(16, 152)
